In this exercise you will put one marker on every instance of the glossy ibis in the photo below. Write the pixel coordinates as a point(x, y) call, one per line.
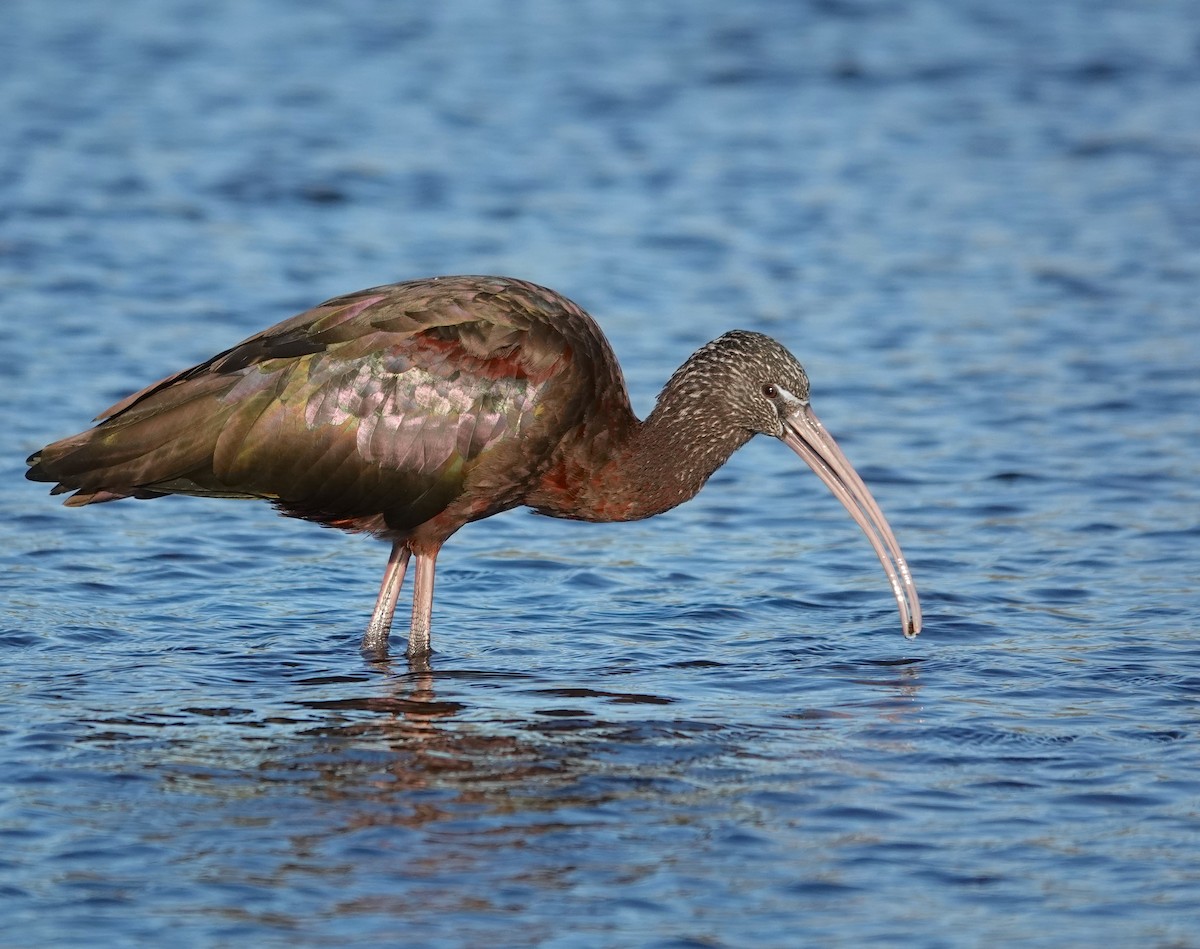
point(408, 410)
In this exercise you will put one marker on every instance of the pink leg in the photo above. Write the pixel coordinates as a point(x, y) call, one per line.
point(375, 639)
point(422, 606)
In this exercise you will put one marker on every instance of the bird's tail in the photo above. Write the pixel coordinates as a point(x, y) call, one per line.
point(159, 441)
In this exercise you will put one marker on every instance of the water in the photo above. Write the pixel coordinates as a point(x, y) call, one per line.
point(976, 223)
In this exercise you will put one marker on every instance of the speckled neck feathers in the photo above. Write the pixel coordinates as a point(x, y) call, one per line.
point(709, 408)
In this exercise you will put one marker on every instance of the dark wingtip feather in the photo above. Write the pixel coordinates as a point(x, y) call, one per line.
point(36, 471)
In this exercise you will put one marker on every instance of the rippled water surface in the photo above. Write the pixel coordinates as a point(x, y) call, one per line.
point(978, 225)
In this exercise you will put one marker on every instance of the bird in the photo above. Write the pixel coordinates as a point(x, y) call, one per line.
point(408, 410)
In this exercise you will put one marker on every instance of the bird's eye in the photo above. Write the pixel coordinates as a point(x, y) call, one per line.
point(769, 390)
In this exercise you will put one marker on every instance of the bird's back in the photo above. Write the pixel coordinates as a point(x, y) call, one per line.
point(432, 402)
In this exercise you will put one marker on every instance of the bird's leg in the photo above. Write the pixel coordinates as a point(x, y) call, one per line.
point(375, 639)
point(422, 604)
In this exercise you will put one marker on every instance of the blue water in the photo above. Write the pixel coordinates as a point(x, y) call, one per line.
point(977, 224)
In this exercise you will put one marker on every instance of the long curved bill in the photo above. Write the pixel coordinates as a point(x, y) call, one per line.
point(806, 436)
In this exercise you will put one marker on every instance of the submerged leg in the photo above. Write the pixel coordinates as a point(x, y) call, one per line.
point(375, 639)
point(422, 605)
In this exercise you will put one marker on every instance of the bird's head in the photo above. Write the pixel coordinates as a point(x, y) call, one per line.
point(760, 381)
point(742, 382)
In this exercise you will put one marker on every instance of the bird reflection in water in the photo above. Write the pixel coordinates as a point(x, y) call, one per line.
point(424, 745)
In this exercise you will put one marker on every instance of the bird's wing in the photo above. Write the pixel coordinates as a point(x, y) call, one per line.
point(367, 411)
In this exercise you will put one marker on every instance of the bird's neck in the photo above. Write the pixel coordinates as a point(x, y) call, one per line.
point(671, 457)
point(637, 469)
